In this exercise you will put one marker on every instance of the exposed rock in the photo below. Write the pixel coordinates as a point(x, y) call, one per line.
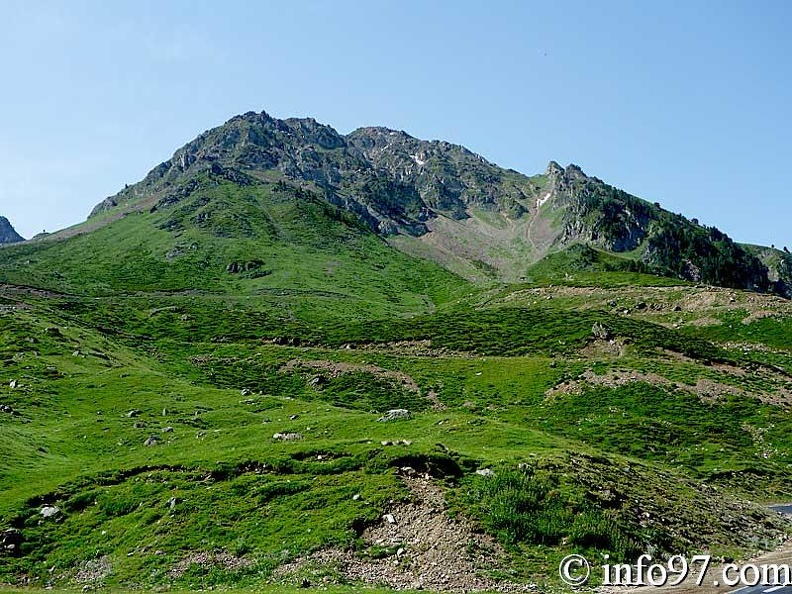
point(7, 232)
point(396, 414)
point(10, 541)
point(287, 436)
point(431, 550)
point(49, 511)
point(93, 571)
point(601, 332)
point(151, 441)
point(221, 559)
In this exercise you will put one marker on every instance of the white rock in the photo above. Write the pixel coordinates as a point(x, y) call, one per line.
point(49, 511)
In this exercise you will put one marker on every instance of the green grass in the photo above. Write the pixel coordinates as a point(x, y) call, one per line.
point(321, 329)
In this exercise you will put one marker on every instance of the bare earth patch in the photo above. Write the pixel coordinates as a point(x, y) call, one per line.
point(612, 379)
point(209, 559)
point(707, 389)
point(422, 548)
point(337, 368)
point(93, 571)
point(603, 348)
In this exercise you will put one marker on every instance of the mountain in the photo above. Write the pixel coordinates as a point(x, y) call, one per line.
point(442, 202)
point(261, 369)
point(7, 233)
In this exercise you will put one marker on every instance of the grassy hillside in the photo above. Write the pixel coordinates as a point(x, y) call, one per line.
point(197, 395)
point(285, 245)
point(581, 432)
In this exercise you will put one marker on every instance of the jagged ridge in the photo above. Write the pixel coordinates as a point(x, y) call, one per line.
point(446, 203)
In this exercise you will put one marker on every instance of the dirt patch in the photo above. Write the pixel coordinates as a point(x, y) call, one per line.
point(420, 547)
point(603, 348)
point(757, 305)
point(336, 369)
point(705, 321)
point(706, 389)
point(7, 290)
point(711, 391)
point(612, 379)
point(94, 570)
point(409, 348)
point(220, 559)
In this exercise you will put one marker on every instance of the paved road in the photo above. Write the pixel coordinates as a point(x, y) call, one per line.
point(784, 509)
point(765, 590)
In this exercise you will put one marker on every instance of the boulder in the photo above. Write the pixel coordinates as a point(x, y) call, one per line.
point(49, 511)
point(396, 414)
point(10, 541)
point(601, 331)
point(287, 436)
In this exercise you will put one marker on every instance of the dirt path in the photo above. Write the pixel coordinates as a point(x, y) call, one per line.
point(421, 547)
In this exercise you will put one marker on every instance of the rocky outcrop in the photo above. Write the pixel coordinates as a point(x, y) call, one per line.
point(7, 233)
point(393, 182)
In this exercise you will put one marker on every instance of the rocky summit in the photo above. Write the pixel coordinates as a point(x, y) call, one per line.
point(443, 202)
point(7, 233)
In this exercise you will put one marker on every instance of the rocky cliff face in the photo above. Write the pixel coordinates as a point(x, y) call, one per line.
point(454, 202)
point(7, 232)
point(390, 179)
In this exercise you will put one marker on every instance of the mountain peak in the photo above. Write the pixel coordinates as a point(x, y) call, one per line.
point(553, 169)
point(7, 232)
point(453, 201)
point(574, 172)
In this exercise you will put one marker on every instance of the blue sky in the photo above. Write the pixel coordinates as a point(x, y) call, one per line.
point(685, 103)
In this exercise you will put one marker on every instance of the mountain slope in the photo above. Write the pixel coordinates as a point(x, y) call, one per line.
point(228, 233)
point(196, 383)
point(442, 202)
point(7, 233)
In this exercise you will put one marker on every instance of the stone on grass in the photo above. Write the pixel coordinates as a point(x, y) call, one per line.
point(395, 414)
point(287, 436)
point(49, 511)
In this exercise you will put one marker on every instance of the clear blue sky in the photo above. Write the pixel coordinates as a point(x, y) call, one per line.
point(685, 103)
